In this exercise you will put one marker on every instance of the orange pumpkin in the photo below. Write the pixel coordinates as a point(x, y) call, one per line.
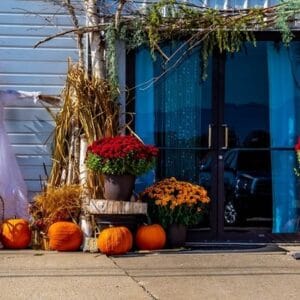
point(15, 234)
point(64, 236)
point(150, 237)
point(115, 240)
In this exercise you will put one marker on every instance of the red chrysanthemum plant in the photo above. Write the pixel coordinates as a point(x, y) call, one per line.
point(297, 149)
point(121, 155)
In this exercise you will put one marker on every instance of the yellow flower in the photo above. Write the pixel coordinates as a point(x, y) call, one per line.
point(188, 199)
point(158, 202)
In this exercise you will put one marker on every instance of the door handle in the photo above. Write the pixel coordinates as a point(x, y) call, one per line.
point(209, 135)
point(226, 131)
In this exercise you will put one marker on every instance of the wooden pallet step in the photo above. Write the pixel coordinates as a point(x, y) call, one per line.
point(102, 206)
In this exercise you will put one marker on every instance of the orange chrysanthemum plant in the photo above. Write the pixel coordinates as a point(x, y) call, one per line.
point(176, 202)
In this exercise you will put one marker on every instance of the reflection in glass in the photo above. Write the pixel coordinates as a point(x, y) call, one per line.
point(262, 109)
point(248, 186)
point(247, 166)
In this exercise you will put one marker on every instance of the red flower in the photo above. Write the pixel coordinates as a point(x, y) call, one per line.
point(122, 147)
point(297, 146)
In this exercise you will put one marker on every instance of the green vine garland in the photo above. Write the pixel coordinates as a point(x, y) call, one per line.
point(197, 26)
point(132, 34)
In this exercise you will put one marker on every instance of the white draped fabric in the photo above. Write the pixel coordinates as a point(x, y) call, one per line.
point(12, 186)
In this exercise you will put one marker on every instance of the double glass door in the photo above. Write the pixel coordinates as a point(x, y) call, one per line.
point(233, 133)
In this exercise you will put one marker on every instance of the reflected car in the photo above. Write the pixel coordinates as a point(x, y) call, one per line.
point(247, 184)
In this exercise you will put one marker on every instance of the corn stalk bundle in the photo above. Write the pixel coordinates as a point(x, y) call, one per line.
point(90, 109)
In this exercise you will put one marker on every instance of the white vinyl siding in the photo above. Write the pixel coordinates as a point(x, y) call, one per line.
point(219, 4)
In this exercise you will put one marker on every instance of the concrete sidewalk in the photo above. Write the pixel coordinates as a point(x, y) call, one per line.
point(188, 275)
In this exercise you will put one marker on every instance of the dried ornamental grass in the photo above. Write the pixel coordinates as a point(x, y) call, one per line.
point(56, 204)
point(171, 201)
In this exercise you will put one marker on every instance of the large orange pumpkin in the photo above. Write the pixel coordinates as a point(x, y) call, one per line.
point(115, 240)
point(64, 236)
point(15, 234)
point(150, 237)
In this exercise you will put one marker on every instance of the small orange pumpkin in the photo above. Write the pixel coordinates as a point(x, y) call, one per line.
point(15, 234)
point(150, 237)
point(115, 240)
point(64, 236)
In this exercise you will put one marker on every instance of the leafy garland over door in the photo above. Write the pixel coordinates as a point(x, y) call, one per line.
point(198, 26)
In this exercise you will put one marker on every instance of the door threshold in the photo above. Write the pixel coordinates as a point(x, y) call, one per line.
point(222, 246)
point(249, 228)
point(220, 243)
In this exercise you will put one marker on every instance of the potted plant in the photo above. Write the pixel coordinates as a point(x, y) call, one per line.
point(176, 205)
point(120, 159)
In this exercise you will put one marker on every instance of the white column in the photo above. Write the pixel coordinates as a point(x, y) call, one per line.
point(121, 63)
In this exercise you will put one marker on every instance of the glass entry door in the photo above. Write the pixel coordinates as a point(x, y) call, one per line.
point(247, 155)
point(176, 114)
point(257, 128)
point(233, 133)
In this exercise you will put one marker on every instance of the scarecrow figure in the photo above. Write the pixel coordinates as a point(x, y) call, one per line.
point(13, 189)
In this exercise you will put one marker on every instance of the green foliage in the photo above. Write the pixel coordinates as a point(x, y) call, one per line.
point(111, 56)
point(184, 214)
point(285, 13)
point(209, 28)
point(297, 168)
point(132, 34)
point(119, 166)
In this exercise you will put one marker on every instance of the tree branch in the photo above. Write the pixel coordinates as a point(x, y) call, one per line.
point(75, 21)
point(80, 30)
point(119, 12)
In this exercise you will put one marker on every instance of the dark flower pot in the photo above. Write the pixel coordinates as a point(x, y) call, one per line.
point(176, 235)
point(118, 187)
